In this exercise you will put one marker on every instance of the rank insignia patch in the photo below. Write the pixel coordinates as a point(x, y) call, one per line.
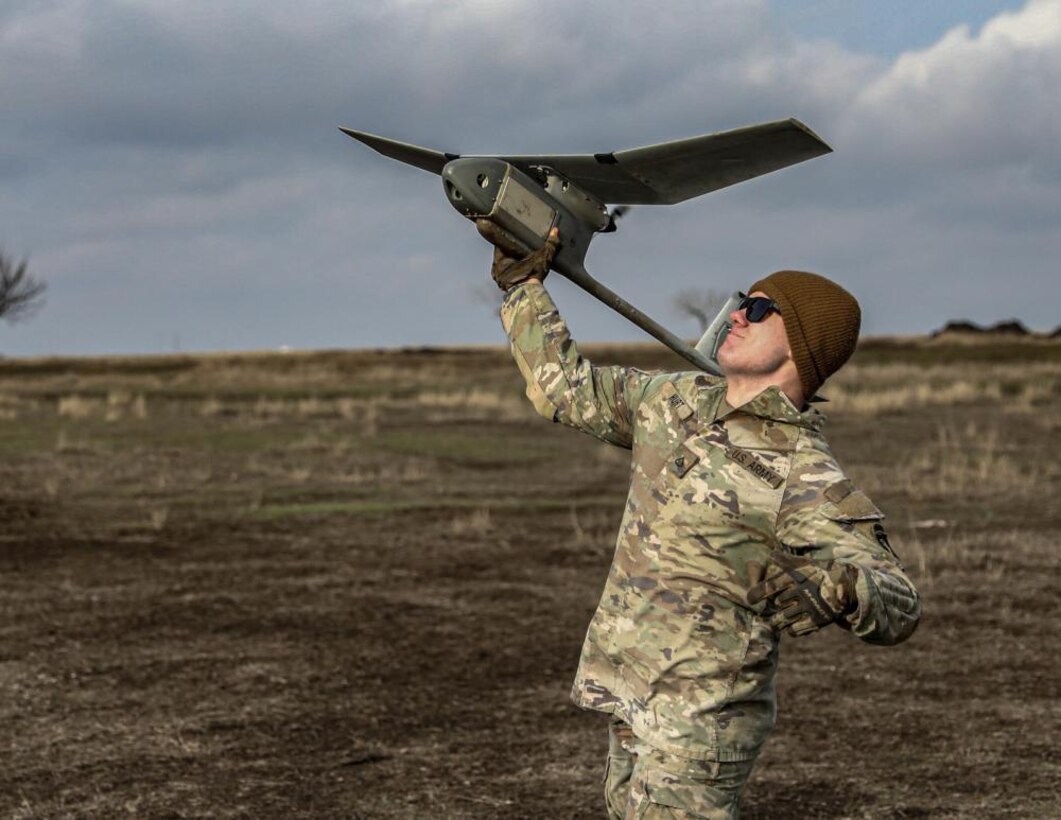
point(682, 461)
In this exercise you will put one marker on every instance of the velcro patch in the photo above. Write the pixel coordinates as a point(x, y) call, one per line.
point(754, 466)
point(682, 460)
point(675, 402)
point(856, 506)
point(840, 490)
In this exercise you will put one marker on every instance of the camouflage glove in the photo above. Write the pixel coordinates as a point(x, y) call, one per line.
point(509, 272)
point(805, 594)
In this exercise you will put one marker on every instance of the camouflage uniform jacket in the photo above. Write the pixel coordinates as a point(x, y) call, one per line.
point(674, 648)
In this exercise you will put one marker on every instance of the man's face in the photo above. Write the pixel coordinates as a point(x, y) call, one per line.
point(754, 348)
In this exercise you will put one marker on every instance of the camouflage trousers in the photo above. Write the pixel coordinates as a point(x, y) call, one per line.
point(643, 783)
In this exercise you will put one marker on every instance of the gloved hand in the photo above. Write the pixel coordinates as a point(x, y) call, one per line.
point(804, 595)
point(509, 271)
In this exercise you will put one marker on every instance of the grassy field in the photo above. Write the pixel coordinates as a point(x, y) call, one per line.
point(354, 584)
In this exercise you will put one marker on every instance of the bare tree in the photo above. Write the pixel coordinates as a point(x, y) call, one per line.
point(21, 293)
point(700, 303)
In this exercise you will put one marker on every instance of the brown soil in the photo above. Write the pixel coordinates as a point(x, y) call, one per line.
point(355, 585)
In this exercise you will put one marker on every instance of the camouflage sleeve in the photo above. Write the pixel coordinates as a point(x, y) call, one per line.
point(561, 384)
point(824, 517)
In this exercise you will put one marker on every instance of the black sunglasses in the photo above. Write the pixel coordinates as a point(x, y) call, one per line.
point(757, 308)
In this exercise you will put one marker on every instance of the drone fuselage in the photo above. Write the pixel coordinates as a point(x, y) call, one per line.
point(526, 207)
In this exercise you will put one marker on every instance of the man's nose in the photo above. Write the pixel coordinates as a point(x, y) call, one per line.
point(738, 318)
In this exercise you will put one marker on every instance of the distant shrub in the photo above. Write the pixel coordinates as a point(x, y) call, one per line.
point(79, 407)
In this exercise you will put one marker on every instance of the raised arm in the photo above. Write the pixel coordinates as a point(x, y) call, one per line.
point(562, 385)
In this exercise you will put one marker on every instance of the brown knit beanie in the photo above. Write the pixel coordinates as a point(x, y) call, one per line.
point(821, 319)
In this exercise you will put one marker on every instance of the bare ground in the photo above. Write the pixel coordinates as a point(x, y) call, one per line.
point(355, 585)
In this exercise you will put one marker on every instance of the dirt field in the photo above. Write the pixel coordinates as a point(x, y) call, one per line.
point(355, 585)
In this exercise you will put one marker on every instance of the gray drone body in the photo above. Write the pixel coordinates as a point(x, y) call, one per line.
point(526, 196)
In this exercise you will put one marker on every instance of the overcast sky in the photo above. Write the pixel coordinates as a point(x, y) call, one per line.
point(175, 173)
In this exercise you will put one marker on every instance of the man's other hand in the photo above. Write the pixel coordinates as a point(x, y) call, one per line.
point(509, 271)
point(803, 595)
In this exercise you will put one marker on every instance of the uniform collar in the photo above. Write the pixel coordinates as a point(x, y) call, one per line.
point(770, 404)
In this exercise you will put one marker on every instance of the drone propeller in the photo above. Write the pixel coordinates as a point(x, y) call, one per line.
point(616, 213)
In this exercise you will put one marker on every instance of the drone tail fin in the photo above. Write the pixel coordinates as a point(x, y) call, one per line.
point(426, 159)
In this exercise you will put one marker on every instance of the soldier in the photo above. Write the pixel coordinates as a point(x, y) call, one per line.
point(739, 525)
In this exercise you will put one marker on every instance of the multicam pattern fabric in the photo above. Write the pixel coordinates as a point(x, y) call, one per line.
point(674, 648)
point(644, 783)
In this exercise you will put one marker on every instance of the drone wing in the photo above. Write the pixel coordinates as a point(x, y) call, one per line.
point(660, 174)
point(671, 172)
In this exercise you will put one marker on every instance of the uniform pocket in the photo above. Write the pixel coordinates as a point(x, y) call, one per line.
point(669, 786)
point(618, 767)
point(856, 512)
point(855, 506)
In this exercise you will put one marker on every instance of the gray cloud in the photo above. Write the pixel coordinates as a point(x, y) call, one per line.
point(175, 169)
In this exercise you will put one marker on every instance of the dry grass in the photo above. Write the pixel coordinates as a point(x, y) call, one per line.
point(876, 389)
point(211, 408)
point(474, 402)
point(970, 462)
point(477, 522)
point(910, 396)
point(67, 443)
point(593, 529)
point(122, 404)
point(158, 518)
point(368, 423)
point(11, 406)
point(79, 407)
point(992, 555)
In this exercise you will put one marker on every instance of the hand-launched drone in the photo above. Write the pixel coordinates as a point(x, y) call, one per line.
point(525, 196)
